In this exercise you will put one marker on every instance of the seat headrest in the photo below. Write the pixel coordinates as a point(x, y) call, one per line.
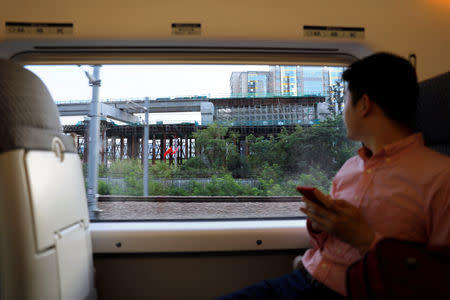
point(433, 112)
point(29, 118)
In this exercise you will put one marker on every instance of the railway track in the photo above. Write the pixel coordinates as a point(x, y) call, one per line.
point(133, 208)
point(197, 199)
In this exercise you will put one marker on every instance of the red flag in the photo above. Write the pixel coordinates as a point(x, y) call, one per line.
point(168, 151)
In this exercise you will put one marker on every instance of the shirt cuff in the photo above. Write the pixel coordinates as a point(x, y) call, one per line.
point(310, 229)
point(317, 237)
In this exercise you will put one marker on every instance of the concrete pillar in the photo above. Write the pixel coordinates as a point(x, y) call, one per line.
point(180, 152)
point(128, 150)
point(113, 148)
point(163, 148)
point(316, 113)
point(142, 148)
point(103, 146)
point(197, 149)
point(153, 150)
point(86, 146)
point(145, 148)
point(171, 155)
point(186, 139)
point(94, 132)
point(122, 146)
point(133, 147)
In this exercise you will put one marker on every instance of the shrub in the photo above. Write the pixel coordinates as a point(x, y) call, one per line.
point(103, 188)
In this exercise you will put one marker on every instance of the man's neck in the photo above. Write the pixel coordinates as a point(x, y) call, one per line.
point(383, 136)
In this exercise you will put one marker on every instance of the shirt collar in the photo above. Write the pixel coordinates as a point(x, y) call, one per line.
point(395, 148)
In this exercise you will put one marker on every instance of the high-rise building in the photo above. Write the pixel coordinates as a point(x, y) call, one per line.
point(285, 81)
point(314, 81)
point(280, 81)
point(250, 84)
point(236, 84)
point(335, 74)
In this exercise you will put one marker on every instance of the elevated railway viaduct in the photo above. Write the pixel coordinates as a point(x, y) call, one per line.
point(257, 116)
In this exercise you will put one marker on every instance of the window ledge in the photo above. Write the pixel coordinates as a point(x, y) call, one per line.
point(204, 236)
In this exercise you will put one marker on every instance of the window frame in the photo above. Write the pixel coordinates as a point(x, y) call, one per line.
point(186, 235)
point(189, 236)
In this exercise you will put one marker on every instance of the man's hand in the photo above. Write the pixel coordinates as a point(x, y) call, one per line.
point(341, 219)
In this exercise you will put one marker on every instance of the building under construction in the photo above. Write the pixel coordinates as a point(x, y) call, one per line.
point(267, 111)
point(175, 142)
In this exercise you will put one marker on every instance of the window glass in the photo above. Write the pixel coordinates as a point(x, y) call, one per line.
point(313, 87)
point(313, 72)
point(225, 141)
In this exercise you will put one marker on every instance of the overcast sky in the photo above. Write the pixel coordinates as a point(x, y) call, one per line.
point(68, 83)
point(127, 81)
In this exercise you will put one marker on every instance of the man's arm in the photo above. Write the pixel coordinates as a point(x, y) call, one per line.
point(341, 219)
point(317, 238)
point(439, 213)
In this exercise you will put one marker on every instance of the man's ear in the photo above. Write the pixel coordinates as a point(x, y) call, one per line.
point(365, 106)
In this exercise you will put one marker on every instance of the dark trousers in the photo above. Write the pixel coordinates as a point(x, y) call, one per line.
point(296, 285)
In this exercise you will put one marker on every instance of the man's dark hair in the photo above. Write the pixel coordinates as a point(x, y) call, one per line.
point(390, 81)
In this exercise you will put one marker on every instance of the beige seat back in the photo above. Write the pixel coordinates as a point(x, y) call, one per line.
point(45, 244)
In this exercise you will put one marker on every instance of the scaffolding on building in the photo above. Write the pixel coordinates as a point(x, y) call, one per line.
point(245, 116)
point(267, 111)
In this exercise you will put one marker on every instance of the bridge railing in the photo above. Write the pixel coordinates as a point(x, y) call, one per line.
point(187, 98)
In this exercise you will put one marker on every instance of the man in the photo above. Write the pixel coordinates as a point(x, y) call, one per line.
point(395, 186)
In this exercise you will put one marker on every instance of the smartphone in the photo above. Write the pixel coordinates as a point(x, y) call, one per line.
point(308, 193)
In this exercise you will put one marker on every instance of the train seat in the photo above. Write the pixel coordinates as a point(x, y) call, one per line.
point(45, 243)
point(433, 112)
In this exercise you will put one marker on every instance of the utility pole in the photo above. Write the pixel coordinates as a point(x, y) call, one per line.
point(94, 132)
point(145, 147)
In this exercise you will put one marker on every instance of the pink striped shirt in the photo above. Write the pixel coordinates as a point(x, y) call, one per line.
point(403, 192)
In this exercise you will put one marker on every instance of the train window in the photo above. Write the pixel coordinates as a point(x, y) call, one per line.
point(225, 141)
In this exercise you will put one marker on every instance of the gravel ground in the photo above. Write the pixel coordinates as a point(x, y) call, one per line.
point(139, 210)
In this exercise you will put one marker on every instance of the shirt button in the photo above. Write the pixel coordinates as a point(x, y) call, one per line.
point(388, 159)
point(324, 266)
point(369, 171)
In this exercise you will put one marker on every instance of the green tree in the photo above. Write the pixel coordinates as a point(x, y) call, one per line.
point(195, 167)
point(323, 145)
point(263, 152)
point(307, 156)
point(217, 150)
point(336, 98)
